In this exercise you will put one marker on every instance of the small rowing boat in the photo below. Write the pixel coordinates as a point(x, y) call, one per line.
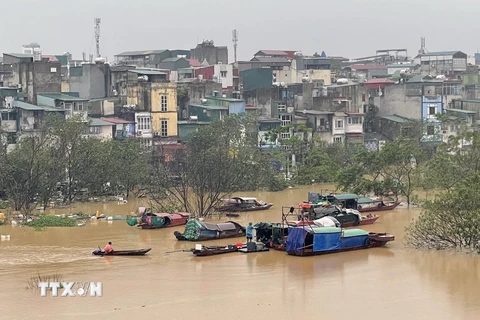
point(140, 252)
point(202, 251)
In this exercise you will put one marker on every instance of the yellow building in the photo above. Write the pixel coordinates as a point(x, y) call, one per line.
point(157, 96)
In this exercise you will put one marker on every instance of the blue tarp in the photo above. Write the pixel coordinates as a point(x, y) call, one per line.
point(296, 239)
point(326, 241)
point(350, 242)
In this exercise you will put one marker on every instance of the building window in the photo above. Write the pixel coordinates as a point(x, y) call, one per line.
point(430, 130)
point(144, 123)
point(78, 107)
point(339, 124)
point(432, 109)
point(281, 107)
point(8, 116)
point(354, 120)
point(286, 120)
point(163, 105)
point(223, 74)
point(285, 135)
point(164, 128)
point(93, 130)
point(146, 143)
point(337, 139)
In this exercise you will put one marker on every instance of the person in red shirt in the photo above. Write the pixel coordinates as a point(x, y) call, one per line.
point(108, 248)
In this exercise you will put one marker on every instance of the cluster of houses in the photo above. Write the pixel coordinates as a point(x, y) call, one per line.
point(162, 96)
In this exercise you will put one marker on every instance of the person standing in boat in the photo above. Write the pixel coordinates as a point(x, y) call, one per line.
point(108, 248)
point(249, 232)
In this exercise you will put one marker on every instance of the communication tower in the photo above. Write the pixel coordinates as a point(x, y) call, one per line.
point(97, 35)
point(235, 41)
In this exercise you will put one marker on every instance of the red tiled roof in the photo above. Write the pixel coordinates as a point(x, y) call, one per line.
point(194, 63)
point(368, 67)
point(50, 58)
point(250, 107)
point(117, 120)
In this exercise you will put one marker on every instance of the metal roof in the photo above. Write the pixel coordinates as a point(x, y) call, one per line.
point(139, 53)
point(224, 99)
point(19, 55)
point(461, 111)
point(345, 196)
point(270, 59)
point(315, 112)
point(32, 107)
point(441, 53)
point(395, 118)
point(172, 59)
point(187, 122)
point(117, 120)
point(367, 67)
point(98, 122)
point(148, 72)
point(209, 107)
point(60, 96)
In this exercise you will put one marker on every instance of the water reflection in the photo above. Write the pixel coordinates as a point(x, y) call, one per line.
point(393, 281)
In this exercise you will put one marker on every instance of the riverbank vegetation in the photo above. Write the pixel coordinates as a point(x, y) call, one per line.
point(45, 221)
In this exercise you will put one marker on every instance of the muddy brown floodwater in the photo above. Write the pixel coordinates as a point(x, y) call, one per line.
point(394, 282)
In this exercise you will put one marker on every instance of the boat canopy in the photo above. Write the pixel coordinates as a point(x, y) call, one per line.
point(365, 200)
point(324, 238)
point(245, 198)
point(345, 196)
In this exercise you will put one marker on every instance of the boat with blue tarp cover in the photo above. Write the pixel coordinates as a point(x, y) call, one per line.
point(312, 240)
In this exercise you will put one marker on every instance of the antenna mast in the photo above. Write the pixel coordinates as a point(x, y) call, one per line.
point(97, 35)
point(235, 41)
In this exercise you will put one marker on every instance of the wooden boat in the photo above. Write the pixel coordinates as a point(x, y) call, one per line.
point(240, 204)
point(202, 251)
point(201, 231)
point(140, 252)
point(308, 241)
point(149, 220)
point(372, 205)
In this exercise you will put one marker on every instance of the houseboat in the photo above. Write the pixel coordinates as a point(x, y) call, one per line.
point(353, 201)
point(150, 220)
point(309, 241)
point(240, 204)
point(202, 231)
point(346, 217)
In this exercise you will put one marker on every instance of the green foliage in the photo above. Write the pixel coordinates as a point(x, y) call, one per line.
point(450, 221)
point(45, 221)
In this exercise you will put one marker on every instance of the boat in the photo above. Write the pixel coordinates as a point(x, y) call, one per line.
point(202, 251)
point(272, 234)
point(313, 240)
point(371, 205)
point(201, 231)
point(252, 247)
point(140, 252)
point(346, 217)
point(240, 204)
point(146, 219)
point(353, 201)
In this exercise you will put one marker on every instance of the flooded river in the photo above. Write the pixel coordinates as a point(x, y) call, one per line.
point(393, 283)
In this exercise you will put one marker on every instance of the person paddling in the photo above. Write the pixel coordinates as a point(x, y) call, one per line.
point(108, 248)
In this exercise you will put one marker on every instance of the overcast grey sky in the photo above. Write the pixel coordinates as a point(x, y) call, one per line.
point(351, 28)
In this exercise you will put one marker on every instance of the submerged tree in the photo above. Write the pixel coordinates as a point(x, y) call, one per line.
point(452, 220)
point(218, 160)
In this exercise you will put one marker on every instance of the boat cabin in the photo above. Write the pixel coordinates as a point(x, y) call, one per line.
point(319, 240)
point(346, 200)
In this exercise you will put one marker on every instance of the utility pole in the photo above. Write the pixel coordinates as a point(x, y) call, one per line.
point(235, 41)
point(97, 35)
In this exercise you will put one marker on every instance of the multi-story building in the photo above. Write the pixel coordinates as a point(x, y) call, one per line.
point(207, 51)
point(155, 101)
point(442, 63)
